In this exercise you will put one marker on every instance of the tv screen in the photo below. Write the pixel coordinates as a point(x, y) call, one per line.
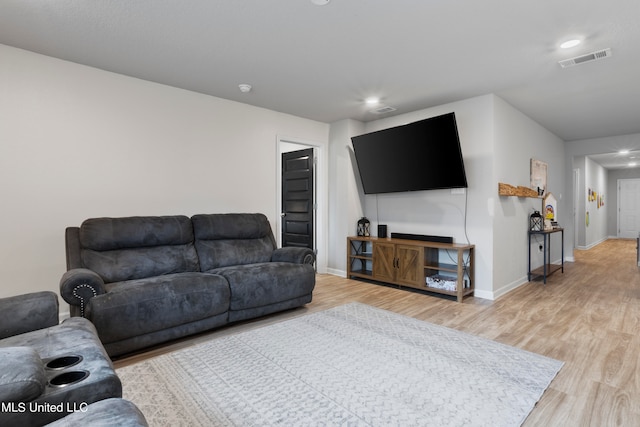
point(423, 155)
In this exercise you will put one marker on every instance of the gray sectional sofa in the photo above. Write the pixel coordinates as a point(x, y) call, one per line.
point(147, 280)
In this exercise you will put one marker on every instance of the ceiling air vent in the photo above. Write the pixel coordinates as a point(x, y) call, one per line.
point(593, 56)
point(384, 109)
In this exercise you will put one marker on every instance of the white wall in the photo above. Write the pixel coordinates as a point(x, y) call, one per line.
point(77, 142)
point(518, 139)
point(435, 212)
point(497, 144)
point(596, 180)
point(346, 199)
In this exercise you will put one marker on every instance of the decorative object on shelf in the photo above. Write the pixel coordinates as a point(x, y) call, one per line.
point(446, 283)
point(382, 231)
point(364, 227)
point(550, 209)
point(535, 221)
point(539, 176)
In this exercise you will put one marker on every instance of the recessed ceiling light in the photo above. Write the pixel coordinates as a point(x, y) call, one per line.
point(570, 43)
point(320, 2)
point(632, 164)
point(372, 100)
point(623, 152)
point(244, 88)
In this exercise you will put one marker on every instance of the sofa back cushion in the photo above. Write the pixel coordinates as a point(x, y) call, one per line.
point(232, 239)
point(129, 248)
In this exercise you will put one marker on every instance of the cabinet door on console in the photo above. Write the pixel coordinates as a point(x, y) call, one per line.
point(384, 262)
point(410, 265)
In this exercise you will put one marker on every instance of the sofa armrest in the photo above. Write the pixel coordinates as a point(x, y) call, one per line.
point(78, 286)
point(23, 378)
point(294, 254)
point(28, 312)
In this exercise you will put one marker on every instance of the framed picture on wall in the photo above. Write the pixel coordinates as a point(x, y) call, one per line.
point(539, 176)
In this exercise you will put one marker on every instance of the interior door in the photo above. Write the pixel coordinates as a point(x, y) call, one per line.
point(298, 199)
point(628, 208)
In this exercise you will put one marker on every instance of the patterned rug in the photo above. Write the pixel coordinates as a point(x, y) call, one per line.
point(352, 365)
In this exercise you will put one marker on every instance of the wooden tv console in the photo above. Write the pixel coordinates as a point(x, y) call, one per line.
point(444, 268)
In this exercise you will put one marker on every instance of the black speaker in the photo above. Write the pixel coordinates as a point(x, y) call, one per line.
point(422, 237)
point(382, 230)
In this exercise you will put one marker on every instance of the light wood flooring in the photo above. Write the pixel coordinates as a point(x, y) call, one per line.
point(587, 317)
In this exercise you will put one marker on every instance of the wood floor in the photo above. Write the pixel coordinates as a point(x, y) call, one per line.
point(588, 317)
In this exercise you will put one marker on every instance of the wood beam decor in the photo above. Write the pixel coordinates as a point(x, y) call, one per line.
point(519, 191)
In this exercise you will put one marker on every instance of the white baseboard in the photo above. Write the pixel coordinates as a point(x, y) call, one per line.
point(336, 272)
point(592, 245)
point(509, 287)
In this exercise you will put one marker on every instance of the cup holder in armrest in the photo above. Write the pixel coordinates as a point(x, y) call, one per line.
point(68, 378)
point(63, 362)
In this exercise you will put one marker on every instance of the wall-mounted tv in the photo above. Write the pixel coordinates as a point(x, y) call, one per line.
point(423, 155)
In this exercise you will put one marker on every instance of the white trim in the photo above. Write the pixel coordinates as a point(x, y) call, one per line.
point(504, 289)
point(592, 245)
point(336, 272)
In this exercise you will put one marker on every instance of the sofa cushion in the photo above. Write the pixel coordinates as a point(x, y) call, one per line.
point(232, 239)
point(267, 283)
point(131, 248)
point(142, 306)
point(22, 376)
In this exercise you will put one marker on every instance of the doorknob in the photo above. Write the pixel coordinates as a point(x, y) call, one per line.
point(283, 214)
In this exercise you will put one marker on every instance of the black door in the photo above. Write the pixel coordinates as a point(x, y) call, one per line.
point(297, 198)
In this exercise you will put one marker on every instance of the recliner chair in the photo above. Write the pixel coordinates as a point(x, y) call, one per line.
point(49, 370)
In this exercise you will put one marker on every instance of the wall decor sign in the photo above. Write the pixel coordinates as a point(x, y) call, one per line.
point(539, 176)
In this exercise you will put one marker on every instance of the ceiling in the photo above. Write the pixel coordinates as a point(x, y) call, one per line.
point(612, 161)
point(321, 62)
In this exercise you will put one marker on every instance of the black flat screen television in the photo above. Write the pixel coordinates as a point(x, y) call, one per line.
point(423, 155)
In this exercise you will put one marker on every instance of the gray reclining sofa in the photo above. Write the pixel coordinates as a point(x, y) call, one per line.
point(147, 280)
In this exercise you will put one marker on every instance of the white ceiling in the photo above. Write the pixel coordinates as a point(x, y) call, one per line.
point(321, 62)
point(630, 160)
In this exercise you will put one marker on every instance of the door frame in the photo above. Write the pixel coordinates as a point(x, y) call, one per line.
point(287, 144)
point(303, 168)
point(577, 217)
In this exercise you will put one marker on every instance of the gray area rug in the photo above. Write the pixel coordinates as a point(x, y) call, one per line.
point(352, 365)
